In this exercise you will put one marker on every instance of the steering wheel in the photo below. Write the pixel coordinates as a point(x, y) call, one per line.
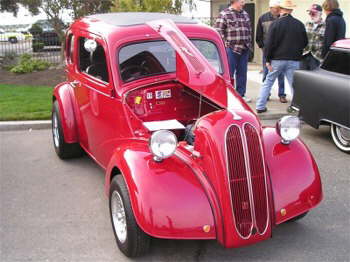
point(134, 71)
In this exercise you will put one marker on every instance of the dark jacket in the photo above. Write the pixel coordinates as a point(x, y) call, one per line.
point(262, 28)
point(286, 39)
point(335, 30)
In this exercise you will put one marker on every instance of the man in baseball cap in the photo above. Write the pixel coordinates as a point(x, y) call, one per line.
point(315, 29)
point(314, 8)
point(262, 29)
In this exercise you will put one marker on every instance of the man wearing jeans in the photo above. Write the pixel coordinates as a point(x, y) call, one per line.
point(233, 24)
point(284, 48)
point(262, 29)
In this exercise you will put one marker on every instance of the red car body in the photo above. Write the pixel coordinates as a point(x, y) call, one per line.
point(235, 184)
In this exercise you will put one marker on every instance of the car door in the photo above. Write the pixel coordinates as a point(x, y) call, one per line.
point(97, 102)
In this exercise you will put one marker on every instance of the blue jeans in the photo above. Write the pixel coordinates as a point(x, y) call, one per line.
point(238, 67)
point(286, 67)
point(280, 78)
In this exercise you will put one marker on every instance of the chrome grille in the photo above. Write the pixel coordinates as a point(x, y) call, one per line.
point(247, 179)
point(257, 174)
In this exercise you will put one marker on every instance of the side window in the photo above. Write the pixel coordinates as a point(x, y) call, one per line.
point(337, 61)
point(93, 64)
point(210, 52)
point(69, 48)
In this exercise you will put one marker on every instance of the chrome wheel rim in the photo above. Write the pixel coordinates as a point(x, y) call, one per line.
point(118, 216)
point(55, 133)
point(344, 135)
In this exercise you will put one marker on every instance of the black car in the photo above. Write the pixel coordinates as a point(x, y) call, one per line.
point(43, 35)
point(322, 96)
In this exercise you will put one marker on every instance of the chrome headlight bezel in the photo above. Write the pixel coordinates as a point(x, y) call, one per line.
point(162, 144)
point(288, 128)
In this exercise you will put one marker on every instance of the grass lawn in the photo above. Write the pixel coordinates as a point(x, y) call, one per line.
point(25, 102)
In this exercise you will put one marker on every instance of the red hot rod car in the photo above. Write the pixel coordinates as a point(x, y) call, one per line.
point(149, 97)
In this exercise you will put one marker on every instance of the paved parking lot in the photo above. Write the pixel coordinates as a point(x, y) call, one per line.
point(53, 210)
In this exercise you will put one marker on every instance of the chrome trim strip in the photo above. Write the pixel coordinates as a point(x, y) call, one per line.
point(249, 175)
point(229, 184)
point(334, 123)
point(265, 178)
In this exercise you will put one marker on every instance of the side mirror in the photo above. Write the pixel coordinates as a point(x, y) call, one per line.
point(90, 45)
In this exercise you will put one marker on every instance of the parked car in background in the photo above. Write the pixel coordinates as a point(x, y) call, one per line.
point(149, 97)
point(12, 37)
point(43, 35)
point(322, 96)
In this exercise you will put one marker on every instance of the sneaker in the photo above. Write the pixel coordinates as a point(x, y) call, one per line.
point(247, 99)
point(259, 111)
point(283, 99)
point(290, 109)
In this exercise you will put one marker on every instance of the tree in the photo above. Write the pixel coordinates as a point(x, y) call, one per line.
point(162, 6)
point(54, 10)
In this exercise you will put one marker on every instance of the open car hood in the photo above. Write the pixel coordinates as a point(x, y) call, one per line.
point(192, 68)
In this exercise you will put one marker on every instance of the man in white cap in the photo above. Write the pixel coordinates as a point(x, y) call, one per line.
point(262, 29)
point(283, 48)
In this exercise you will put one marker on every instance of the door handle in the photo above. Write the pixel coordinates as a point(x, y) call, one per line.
point(75, 83)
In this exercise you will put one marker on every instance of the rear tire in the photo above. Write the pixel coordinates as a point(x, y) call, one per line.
point(341, 137)
point(63, 150)
point(130, 238)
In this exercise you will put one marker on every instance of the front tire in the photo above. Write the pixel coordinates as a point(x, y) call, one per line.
point(63, 150)
point(341, 137)
point(130, 238)
point(13, 40)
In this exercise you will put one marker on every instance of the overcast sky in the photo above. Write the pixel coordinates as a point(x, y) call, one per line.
point(24, 17)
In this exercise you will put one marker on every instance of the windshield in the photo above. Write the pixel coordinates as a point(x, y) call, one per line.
point(158, 57)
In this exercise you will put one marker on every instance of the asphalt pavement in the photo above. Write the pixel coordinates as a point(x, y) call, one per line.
point(54, 210)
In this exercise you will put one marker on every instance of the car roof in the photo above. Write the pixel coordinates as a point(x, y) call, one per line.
point(138, 18)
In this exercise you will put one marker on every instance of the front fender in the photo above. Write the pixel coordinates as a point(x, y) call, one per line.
point(294, 174)
point(64, 93)
point(166, 197)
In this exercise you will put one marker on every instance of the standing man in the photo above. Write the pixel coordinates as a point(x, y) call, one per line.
point(315, 33)
point(285, 43)
point(335, 24)
point(262, 29)
point(233, 24)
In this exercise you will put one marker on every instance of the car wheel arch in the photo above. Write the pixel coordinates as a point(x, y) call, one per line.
point(63, 95)
point(142, 203)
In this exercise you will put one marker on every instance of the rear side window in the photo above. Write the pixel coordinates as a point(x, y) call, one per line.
point(93, 64)
point(337, 61)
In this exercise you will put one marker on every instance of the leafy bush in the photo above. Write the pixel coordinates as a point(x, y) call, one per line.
point(27, 65)
point(37, 46)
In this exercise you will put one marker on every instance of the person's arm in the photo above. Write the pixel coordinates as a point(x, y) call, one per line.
point(305, 38)
point(270, 42)
point(221, 25)
point(259, 37)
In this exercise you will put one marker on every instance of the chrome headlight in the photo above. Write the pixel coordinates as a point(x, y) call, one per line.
point(162, 144)
point(288, 127)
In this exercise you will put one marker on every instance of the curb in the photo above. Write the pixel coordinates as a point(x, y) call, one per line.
point(24, 125)
point(46, 124)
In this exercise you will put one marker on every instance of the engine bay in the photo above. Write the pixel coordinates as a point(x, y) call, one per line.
point(170, 106)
